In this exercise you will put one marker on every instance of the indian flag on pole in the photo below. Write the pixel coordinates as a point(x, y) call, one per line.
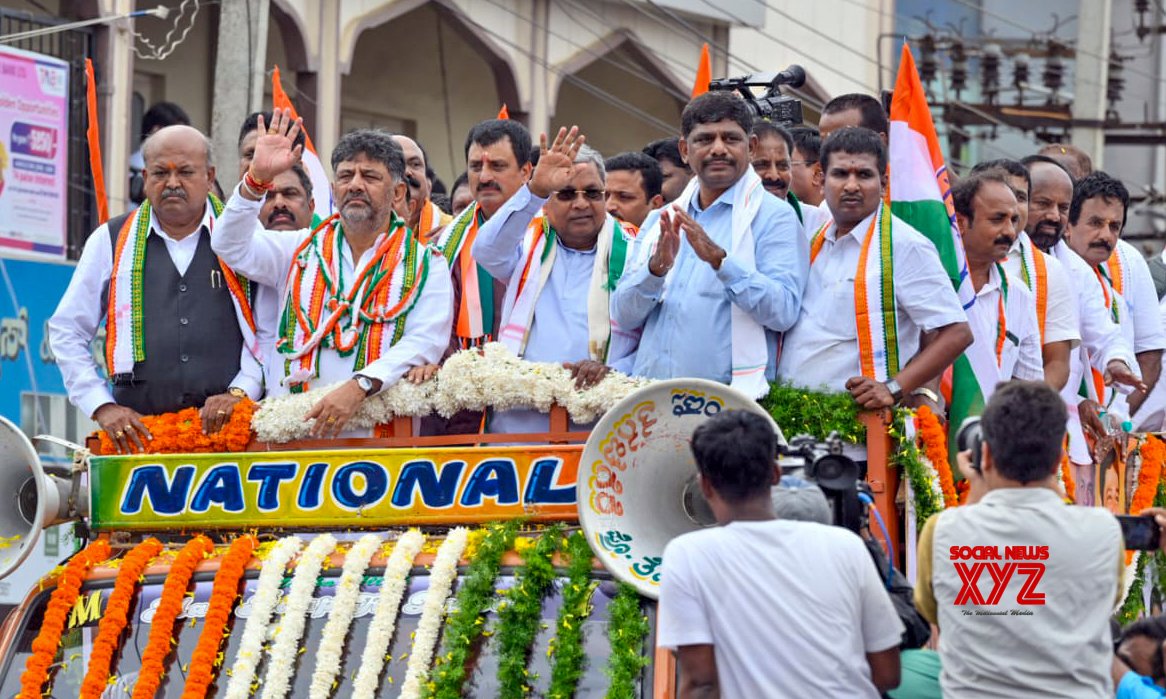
point(321, 187)
point(921, 195)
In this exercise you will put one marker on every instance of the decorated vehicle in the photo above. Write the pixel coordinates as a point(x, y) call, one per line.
point(258, 562)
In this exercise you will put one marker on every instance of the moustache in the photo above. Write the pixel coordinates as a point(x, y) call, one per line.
point(773, 184)
point(174, 192)
point(1003, 240)
point(720, 161)
point(356, 197)
point(280, 213)
point(1101, 244)
point(488, 186)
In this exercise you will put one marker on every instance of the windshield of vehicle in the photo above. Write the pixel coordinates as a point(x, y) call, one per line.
point(82, 630)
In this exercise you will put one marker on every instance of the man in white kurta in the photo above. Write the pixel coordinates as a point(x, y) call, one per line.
point(1003, 318)
point(370, 176)
point(564, 200)
point(823, 350)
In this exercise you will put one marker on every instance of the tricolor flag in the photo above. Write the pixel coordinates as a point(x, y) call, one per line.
point(921, 195)
point(93, 134)
point(321, 187)
point(704, 73)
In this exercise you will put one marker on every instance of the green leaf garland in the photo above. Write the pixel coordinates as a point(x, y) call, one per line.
point(521, 613)
point(466, 624)
point(910, 462)
point(1133, 607)
point(567, 647)
point(799, 411)
point(627, 628)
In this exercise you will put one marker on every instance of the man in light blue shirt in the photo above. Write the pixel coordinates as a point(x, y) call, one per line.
point(561, 254)
point(683, 293)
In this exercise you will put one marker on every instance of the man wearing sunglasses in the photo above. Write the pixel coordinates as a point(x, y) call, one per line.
point(562, 254)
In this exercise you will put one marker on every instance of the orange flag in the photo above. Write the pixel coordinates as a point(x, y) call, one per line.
point(704, 73)
point(94, 137)
point(504, 113)
point(280, 100)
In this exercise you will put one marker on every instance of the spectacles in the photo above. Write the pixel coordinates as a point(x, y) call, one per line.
point(804, 163)
point(588, 194)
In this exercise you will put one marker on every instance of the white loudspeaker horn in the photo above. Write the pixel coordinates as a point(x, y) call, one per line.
point(36, 499)
point(637, 487)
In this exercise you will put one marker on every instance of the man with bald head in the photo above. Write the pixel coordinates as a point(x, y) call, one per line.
point(178, 322)
point(1103, 350)
point(424, 216)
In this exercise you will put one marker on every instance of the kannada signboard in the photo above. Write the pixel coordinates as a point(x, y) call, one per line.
point(339, 488)
point(34, 144)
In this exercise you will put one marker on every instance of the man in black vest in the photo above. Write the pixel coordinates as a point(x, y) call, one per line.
point(177, 335)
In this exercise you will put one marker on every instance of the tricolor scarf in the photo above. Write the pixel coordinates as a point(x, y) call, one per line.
point(875, 316)
point(1034, 271)
point(428, 223)
point(125, 342)
point(1115, 273)
point(474, 316)
point(324, 310)
point(750, 351)
point(539, 248)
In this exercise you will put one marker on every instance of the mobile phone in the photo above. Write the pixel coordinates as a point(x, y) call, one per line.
point(1140, 533)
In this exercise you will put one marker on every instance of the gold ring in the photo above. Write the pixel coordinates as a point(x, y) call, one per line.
point(272, 132)
point(119, 433)
point(330, 420)
point(220, 412)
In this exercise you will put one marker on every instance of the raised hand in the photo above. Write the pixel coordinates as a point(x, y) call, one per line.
point(275, 151)
point(667, 245)
point(701, 243)
point(556, 164)
point(1117, 371)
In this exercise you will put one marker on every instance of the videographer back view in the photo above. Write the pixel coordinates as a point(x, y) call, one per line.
point(1020, 584)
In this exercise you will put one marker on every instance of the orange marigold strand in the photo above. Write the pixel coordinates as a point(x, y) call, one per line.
point(181, 432)
point(115, 617)
point(1153, 455)
point(161, 638)
point(1067, 477)
point(226, 589)
point(935, 447)
point(48, 641)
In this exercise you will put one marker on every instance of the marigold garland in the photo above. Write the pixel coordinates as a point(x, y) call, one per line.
point(627, 628)
point(161, 638)
point(205, 659)
point(181, 432)
point(567, 646)
point(1133, 606)
point(933, 436)
point(465, 625)
point(1153, 453)
point(1067, 478)
point(928, 500)
point(48, 640)
point(520, 613)
point(115, 617)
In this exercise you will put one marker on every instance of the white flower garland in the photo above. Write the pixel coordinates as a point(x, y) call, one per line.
point(331, 650)
point(380, 631)
point(281, 665)
point(263, 603)
point(441, 577)
point(469, 380)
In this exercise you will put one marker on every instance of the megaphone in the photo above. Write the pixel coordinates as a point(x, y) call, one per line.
point(36, 499)
point(637, 487)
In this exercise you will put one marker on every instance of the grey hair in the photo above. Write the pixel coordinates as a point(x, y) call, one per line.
point(587, 154)
point(206, 143)
point(375, 144)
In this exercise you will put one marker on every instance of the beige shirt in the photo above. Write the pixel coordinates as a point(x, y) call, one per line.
point(1046, 632)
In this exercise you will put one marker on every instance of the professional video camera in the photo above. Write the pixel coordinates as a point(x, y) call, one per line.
point(836, 474)
point(774, 106)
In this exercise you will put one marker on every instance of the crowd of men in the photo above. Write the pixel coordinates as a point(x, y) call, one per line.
point(741, 252)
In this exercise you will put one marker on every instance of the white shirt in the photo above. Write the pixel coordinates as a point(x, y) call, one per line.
point(80, 314)
point(1021, 354)
point(265, 257)
point(790, 608)
point(1061, 321)
point(813, 217)
point(821, 350)
point(1142, 301)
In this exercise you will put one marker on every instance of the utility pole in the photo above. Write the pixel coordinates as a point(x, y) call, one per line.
point(239, 78)
point(1091, 75)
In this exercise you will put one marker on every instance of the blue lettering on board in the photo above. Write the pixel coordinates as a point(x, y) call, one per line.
point(167, 497)
point(220, 486)
point(493, 478)
point(269, 477)
point(541, 489)
point(311, 486)
point(376, 484)
point(421, 476)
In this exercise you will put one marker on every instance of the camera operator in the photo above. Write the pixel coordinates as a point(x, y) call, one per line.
point(1020, 585)
point(765, 607)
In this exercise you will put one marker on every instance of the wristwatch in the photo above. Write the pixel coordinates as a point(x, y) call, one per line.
point(237, 392)
point(895, 389)
point(366, 384)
